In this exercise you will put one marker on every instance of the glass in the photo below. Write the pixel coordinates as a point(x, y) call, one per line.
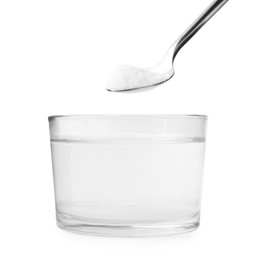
point(128, 175)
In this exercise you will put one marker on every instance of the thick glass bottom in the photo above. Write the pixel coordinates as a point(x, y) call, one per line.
point(107, 228)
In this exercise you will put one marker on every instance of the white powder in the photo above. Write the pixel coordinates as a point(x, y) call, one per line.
point(128, 77)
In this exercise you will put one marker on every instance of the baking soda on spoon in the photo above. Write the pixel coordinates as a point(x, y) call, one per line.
point(127, 77)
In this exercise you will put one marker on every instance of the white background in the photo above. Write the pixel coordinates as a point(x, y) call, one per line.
point(54, 58)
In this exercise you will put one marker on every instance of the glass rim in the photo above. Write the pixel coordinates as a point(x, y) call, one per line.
point(157, 116)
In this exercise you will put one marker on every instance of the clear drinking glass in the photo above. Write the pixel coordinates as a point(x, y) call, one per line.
point(128, 175)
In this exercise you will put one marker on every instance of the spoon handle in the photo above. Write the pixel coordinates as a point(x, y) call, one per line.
point(197, 25)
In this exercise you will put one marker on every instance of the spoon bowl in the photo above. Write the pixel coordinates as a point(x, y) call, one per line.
point(145, 79)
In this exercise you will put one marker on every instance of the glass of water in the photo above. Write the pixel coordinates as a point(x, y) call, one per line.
point(128, 175)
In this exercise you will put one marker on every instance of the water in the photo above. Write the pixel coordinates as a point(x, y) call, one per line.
point(128, 182)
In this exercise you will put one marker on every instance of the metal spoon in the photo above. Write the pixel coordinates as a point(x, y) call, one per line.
point(134, 79)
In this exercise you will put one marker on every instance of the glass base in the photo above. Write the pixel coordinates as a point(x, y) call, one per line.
point(104, 228)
